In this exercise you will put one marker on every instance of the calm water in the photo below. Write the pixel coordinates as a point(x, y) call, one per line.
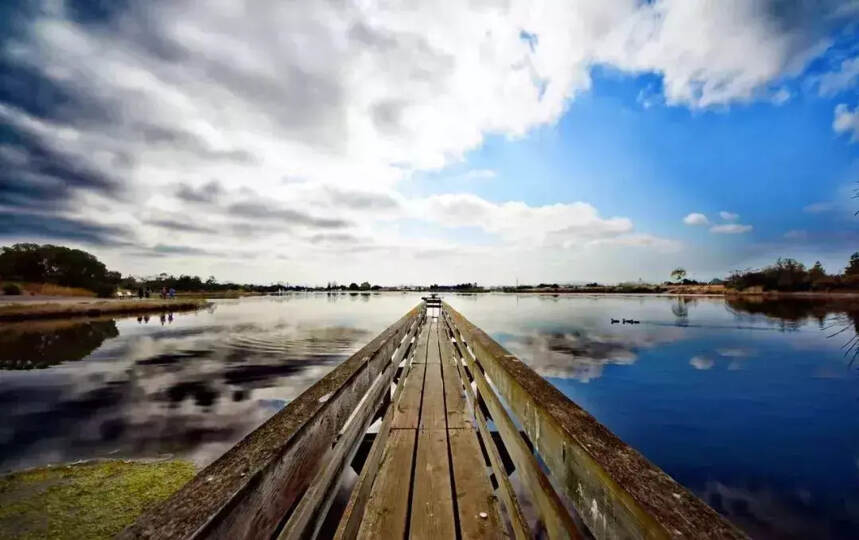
point(750, 405)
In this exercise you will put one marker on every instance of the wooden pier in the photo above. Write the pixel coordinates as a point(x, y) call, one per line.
point(432, 430)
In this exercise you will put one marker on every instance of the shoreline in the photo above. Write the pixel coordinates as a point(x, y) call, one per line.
point(15, 311)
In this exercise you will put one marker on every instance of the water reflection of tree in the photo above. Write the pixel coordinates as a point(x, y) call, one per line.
point(680, 308)
point(836, 316)
point(40, 345)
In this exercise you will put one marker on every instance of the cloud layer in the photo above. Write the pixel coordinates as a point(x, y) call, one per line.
point(288, 128)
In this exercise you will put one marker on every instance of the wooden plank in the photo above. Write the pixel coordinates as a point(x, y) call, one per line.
point(350, 521)
point(476, 502)
point(387, 509)
point(407, 409)
point(432, 499)
point(518, 523)
point(423, 340)
point(432, 343)
point(454, 393)
point(616, 490)
point(433, 410)
point(310, 512)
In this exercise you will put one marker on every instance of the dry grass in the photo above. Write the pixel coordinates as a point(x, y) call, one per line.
point(696, 289)
point(50, 289)
point(47, 310)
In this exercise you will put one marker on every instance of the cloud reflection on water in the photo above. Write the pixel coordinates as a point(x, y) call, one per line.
point(192, 388)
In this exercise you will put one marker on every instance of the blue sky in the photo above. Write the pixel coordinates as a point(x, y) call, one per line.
point(308, 144)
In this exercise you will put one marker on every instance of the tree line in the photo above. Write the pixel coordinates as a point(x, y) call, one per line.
point(791, 275)
point(69, 267)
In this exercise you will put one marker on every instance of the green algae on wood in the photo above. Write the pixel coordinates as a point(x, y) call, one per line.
point(88, 500)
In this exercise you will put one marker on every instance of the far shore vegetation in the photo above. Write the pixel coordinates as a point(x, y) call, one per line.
point(49, 270)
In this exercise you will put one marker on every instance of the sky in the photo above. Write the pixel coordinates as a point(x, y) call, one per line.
point(432, 142)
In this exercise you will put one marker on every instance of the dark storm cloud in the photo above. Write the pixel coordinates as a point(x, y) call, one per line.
point(362, 200)
point(207, 193)
point(184, 141)
point(177, 225)
point(261, 210)
point(26, 225)
point(180, 250)
point(31, 91)
point(34, 176)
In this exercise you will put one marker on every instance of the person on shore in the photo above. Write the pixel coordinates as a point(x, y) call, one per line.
point(171, 293)
point(140, 292)
point(163, 293)
point(147, 292)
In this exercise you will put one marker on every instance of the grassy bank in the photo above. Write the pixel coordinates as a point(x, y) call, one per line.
point(89, 500)
point(48, 310)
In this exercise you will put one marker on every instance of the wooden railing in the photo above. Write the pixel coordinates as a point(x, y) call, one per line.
point(283, 476)
point(589, 474)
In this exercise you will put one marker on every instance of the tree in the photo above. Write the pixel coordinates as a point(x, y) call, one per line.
point(853, 266)
point(816, 273)
point(353, 286)
point(365, 286)
point(678, 274)
point(57, 264)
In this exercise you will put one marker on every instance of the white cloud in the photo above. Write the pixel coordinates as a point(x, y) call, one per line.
point(796, 234)
point(843, 78)
point(701, 362)
point(730, 228)
point(312, 113)
point(819, 207)
point(696, 218)
point(781, 96)
point(846, 121)
point(728, 216)
point(736, 352)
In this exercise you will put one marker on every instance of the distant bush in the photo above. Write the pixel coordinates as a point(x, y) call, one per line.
point(105, 290)
point(10, 289)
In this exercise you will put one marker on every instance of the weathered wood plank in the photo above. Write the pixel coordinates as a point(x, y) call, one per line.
point(386, 513)
point(477, 505)
point(432, 499)
point(518, 523)
point(350, 521)
point(247, 491)
point(433, 409)
point(423, 340)
point(407, 409)
point(454, 393)
point(555, 517)
point(432, 343)
point(310, 512)
point(618, 492)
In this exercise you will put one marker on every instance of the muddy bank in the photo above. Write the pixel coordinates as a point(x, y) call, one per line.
point(25, 311)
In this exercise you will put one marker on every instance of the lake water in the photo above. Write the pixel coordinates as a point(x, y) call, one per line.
point(749, 404)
